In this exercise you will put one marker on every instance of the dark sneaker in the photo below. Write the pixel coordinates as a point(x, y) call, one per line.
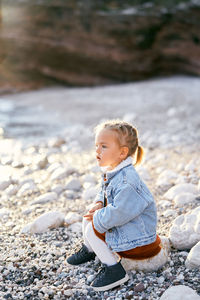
point(80, 257)
point(109, 277)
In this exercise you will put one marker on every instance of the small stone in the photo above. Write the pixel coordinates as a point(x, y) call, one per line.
point(48, 197)
point(160, 279)
point(90, 278)
point(4, 184)
point(190, 166)
point(42, 161)
point(68, 292)
point(12, 190)
point(169, 212)
point(89, 193)
point(4, 213)
point(139, 287)
point(27, 211)
point(74, 184)
point(57, 189)
point(56, 142)
point(27, 188)
point(59, 174)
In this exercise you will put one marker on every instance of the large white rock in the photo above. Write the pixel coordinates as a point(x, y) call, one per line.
point(48, 197)
point(184, 198)
point(181, 179)
point(72, 217)
point(179, 292)
point(150, 264)
point(180, 188)
point(166, 177)
point(185, 230)
point(193, 258)
point(49, 220)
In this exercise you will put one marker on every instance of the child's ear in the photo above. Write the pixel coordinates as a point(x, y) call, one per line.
point(124, 152)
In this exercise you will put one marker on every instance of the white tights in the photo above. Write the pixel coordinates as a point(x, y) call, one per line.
point(96, 245)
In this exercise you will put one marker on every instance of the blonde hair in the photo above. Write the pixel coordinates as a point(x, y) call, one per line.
point(127, 136)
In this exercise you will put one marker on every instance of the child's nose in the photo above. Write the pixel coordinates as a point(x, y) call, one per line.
point(97, 150)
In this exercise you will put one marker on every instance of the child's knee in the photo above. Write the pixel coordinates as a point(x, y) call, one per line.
point(89, 231)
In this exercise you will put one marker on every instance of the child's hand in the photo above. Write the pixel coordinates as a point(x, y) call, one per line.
point(96, 206)
point(89, 215)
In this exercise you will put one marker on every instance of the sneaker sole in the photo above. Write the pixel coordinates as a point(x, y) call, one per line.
point(110, 286)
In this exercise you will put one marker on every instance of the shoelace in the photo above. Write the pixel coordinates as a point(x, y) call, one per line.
point(82, 252)
point(101, 273)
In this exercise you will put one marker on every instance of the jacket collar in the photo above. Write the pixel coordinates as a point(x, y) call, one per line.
point(109, 174)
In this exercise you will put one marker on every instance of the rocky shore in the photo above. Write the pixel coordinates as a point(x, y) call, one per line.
point(46, 186)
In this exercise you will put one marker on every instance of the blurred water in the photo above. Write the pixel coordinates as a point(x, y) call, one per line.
point(23, 121)
point(153, 106)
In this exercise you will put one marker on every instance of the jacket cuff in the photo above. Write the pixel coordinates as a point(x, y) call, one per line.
point(97, 225)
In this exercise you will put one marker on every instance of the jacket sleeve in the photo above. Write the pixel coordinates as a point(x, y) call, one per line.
point(127, 205)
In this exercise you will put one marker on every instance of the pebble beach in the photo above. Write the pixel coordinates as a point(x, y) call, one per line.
point(47, 182)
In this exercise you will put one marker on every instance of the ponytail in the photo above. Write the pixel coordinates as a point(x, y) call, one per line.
point(140, 154)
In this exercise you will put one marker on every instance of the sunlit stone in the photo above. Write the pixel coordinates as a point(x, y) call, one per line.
point(185, 230)
point(44, 222)
point(73, 184)
point(166, 177)
point(48, 197)
point(72, 217)
point(89, 193)
point(193, 258)
point(76, 227)
point(180, 188)
point(184, 198)
point(4, 184)
point(180, 292)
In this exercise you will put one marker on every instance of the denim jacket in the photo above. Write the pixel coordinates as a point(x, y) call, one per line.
point(129, 220)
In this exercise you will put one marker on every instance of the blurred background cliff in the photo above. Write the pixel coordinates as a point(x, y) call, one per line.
point(96, 42)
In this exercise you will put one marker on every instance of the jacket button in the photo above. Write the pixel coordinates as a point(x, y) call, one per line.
point(109, 230)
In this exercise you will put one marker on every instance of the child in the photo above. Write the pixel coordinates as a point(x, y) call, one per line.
point(122, 222)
